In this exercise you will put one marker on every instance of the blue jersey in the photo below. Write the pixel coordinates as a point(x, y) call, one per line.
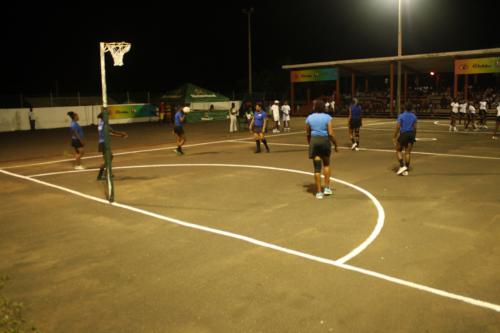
point(318, 122)
point(76, 128)
point(100, 129)
point(259, 118)
point(178, 116)
point(356, 111)
point(407, 121)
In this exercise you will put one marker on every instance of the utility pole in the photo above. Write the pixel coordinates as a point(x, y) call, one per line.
point(249, 12)
point(400, 52)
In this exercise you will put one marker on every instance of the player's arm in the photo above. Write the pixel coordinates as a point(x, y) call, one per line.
point(265, 125)
point(331, 136)
point(250, 127)
point(396, 133)
point(308, 131)
point(350, 116)
point(117, 133)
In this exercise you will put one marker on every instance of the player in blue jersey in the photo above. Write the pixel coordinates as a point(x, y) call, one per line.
point(354, 123)
point(320, 136)
point(179, 120)
point(102, 143)
point(258, 127)
point(77, 139)
point(404, 138)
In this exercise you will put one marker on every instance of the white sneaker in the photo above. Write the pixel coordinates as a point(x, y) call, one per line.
point(356, 149)
point(485, 127)
point(401, 170)
point(319, 195)
point(327, 191)
point(353, 146)
point(80, 167)
point(405, 173)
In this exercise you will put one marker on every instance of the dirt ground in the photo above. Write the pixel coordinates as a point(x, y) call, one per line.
point(226, 240)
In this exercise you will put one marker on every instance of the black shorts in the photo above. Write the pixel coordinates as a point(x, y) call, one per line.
point(257, 129)
point(75, 143)
point(355, 123)
point(320, 146)
point(101, 147)
point(179, 130)
point(498, 118)
point(406, 138)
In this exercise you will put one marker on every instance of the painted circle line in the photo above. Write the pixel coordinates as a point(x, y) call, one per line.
point(426, 139)
point(439, 124)
point(391, 279)
point(357, 250)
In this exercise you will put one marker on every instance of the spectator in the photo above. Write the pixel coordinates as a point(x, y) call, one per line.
point(31, 116)
point(275, 109)
point(233, 113)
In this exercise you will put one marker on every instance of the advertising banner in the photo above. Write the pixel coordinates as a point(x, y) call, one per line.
point(477, 66)
point(316, 74)
point(131, 111)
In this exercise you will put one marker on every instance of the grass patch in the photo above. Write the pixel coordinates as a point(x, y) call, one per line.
point(11, 314)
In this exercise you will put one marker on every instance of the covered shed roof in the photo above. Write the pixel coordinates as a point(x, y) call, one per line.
point(442, 62)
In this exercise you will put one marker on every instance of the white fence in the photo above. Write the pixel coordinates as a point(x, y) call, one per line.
point(55, 117)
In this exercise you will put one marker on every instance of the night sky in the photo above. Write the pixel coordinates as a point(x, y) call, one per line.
point(206, 43)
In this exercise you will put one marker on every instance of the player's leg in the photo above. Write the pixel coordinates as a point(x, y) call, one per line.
point(351, 135)
point(317, 176)
point(264, 141)
point(100, 148)
point(79, 155)
point(327, 174)
point(182, 140)
point(408, 154)
point(356, 137)
point(399, 156)
point(256, 136)
point(485, 119)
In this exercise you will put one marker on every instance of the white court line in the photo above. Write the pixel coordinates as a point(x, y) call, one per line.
point(115, 154)
point(425, 131)
point(439, 292)
point(380, 210)
point(155, 149)
point(382, 150)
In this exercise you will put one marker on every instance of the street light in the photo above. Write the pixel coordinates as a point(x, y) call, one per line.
point(249, 12)
point(400, 52)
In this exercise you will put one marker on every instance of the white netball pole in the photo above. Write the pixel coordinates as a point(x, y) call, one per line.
point(117, 50)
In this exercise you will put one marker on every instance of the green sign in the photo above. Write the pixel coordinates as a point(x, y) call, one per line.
point(316, 74)
point(131, 111)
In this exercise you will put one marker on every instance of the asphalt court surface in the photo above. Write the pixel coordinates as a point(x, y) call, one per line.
point(268, 258)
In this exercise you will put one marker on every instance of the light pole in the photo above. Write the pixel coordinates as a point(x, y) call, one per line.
point(400, 52)
point(249, 12)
